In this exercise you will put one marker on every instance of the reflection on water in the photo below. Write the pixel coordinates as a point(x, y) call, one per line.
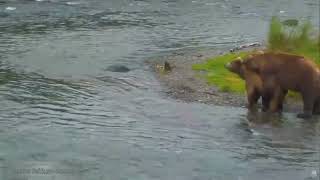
point(61, 105)
point(290, 141)
point(260, 117)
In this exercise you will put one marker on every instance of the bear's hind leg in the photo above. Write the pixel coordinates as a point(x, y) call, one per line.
point(308, 103)
point(316, 107)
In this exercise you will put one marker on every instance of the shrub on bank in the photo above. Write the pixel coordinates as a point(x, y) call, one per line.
point(292, 37)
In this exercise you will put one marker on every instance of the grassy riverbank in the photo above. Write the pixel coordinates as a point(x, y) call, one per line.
point(286, 36)
point(217, 74)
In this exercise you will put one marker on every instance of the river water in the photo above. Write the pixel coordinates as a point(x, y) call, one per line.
point(60, 105)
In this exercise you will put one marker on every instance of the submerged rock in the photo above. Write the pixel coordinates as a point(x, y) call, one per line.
point(3, 14)
point(118, 68)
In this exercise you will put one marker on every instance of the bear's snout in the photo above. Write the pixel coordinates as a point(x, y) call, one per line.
point(228, 65)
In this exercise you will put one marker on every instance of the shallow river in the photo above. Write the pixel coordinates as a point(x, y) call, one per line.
point(61, 107)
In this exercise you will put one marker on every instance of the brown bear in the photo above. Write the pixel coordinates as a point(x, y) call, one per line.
point(253, 84)
point(280, 72)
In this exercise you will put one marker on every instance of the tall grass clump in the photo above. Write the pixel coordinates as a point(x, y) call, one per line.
point(292, 37)
point(276, 37)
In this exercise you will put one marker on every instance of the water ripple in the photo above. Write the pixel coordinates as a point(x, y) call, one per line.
point(58, 103)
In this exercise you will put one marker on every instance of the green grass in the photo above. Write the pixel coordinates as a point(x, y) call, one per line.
point(285, 36)
point(218, 75)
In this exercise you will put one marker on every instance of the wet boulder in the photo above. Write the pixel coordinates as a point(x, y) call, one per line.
point(118, 68)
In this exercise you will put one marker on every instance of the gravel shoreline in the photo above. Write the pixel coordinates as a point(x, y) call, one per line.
point(184, 84)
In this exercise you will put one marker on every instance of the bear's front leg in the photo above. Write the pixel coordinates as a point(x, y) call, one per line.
point(253, 95)
point(275, 103)
point(272, 95)
point(282, 96)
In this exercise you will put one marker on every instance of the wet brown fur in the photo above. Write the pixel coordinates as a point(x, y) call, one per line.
point(254, 85)
point(280, 72)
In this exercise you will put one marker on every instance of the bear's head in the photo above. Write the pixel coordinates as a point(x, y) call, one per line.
point(236, 66)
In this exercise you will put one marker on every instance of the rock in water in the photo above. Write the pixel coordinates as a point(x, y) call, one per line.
point(3, 14)
point(167, 66)
point(118, 68)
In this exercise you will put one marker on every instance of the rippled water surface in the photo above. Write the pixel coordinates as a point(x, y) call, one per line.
point(59, 102)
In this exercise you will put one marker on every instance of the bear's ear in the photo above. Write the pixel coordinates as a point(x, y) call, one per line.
point(239, 59)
